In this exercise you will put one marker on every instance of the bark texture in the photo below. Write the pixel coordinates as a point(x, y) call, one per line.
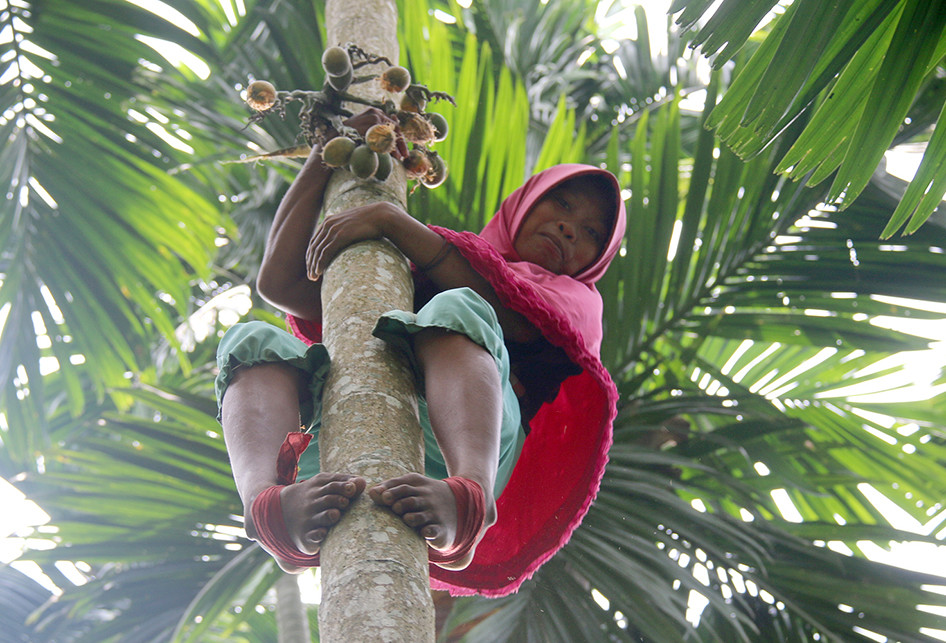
point(375, 584)
point(292, 620)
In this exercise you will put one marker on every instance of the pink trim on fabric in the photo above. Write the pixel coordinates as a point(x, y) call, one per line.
point(305, 329)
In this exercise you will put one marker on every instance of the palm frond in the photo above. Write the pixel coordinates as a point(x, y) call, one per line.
point(858, 66)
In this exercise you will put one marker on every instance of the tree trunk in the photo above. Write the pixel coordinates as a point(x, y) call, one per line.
point(375, 584)
point(292, 621)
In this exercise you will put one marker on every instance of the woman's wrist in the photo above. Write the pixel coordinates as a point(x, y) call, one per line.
point(437, 259)
point(394, 224)
point(314, 162)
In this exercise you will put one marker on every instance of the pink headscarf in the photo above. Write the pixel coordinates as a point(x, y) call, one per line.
point(563, 459)
point(502, 229)
point(575, 294)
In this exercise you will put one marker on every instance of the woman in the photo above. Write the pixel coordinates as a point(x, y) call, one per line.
point(505, 340)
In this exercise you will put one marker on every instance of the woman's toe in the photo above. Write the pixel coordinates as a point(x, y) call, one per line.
point(434, 534)
point(416, 519)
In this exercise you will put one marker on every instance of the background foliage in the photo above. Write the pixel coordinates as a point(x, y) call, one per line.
point(742, 305)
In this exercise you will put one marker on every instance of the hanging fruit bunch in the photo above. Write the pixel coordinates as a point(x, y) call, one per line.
point(373, 154)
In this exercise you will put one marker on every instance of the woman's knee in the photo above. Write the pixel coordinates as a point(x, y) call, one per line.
point(457, 305)
point(251, 336)
point(442, 353)
point(250, 346)
point(439, 341)
point(270, 372)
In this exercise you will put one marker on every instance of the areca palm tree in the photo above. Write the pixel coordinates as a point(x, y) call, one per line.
point(741, 306)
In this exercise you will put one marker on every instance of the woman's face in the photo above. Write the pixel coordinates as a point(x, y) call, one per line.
point(565, 231)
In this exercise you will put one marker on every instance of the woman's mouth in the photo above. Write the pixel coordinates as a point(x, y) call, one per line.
point(553, 243)
point(552, 252)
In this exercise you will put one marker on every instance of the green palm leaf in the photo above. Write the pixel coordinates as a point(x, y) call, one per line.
point(89, 262)
point(860, 65)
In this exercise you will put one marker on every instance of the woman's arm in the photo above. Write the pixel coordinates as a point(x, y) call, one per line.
point(282, 279)
point(421, 245)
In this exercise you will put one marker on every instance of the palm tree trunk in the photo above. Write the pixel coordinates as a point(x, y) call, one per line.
point(292, 622)
point(374, 568)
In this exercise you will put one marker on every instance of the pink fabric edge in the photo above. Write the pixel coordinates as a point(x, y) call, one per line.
point(526, 300)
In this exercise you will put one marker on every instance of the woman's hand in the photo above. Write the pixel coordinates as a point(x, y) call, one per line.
point(341, 230)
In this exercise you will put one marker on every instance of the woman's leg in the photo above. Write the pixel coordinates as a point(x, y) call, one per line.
point(260, 407)
point(464, 399)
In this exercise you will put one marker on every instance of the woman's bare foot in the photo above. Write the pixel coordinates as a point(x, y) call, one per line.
point(310, 508)
point(429, 507)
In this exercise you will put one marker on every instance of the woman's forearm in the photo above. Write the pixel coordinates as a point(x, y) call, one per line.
point(452, 270)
